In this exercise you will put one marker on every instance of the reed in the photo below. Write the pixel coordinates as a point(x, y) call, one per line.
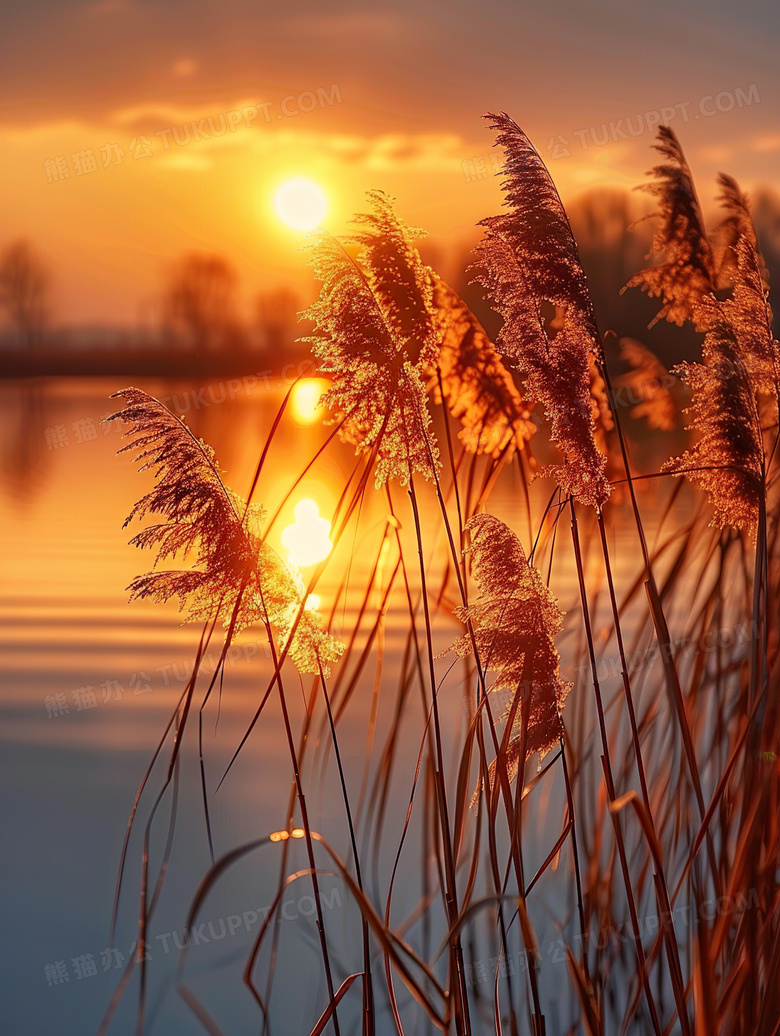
point(625, 779)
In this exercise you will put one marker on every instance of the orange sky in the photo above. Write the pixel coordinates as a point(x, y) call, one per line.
point(363, 96)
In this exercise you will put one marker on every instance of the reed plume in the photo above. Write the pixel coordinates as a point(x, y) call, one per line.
point(376, 336)
point(747, 308)
point(739, 354)
point(736, 223)
point(684, 269)
point(513, 622)
point(648, 378)
point(528, 257)
point(236, 575)
point(475, 385)
point(748, 311)
point(690, 263)
point(727, 460)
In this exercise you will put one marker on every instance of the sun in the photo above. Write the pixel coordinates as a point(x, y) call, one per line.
point(301, 204)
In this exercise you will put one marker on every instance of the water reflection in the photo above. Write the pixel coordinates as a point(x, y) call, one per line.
point(90, 682)
point(41, 418)
point(22, 451)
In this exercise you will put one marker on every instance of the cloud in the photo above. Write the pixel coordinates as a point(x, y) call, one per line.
point(185, 67)
point(766, 143)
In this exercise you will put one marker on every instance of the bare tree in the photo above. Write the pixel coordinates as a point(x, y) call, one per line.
point(199, 306)
point(24, 291)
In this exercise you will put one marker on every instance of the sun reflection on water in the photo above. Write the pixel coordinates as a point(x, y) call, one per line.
point(304, 400)
point(308, 539)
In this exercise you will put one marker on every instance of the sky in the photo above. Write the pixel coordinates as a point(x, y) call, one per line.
point(353, 96)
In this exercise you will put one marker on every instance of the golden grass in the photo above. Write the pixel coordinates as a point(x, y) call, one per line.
point(658, 797)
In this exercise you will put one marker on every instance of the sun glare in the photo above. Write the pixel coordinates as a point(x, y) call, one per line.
point(301, 204)
point(308, 539)
point(305, 397)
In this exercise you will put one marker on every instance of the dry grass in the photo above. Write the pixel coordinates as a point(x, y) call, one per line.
point(647, 845)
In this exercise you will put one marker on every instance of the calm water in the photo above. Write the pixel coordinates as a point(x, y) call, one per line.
point(88, 684)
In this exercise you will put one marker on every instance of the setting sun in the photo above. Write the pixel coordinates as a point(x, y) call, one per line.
point(300, 204)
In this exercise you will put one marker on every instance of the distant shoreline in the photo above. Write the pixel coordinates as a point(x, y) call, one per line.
point(101, 363)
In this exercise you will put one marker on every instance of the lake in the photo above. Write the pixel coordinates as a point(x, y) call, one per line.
point(89, 683)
